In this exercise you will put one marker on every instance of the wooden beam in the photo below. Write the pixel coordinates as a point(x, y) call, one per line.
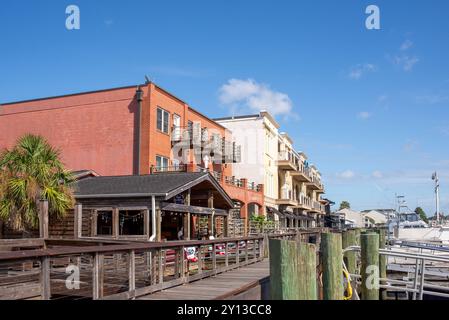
point(146, 223)
point(132, 270)
point(43, 219)
point(331, 261)
point(78, 221)
point(115, 223)
point(370, 266)
point(45, 278)
point(93, 223)
point(292, 270)
point(97, 276)
point(158, 225)
point(350, 257)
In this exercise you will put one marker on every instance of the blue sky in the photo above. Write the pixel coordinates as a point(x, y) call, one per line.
point(369, 107)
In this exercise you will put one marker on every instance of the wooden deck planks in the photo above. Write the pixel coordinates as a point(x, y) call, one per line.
point(216, 287)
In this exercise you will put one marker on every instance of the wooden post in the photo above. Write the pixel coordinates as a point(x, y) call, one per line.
point(382, 261)
point(187, 228)
point(43, 219)
point(158, 224)
point(78, 221)
point(265, 246)
point(115, 223)
point(132, 270)
point(45, 278)
point(292, 270)
point(210, 204)
point(350, 257)
point(97, 276)
point(161, 266)
point(331, 262)
point(370, 266)
point(227, 254)
point(93, 223)
point(246, 252)
point(200, 260)
point(146, 224)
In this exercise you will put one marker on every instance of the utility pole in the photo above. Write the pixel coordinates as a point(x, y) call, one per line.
point(401, 203)
point(437, 196)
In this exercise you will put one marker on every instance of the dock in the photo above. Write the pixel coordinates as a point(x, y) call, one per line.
point(246, 283)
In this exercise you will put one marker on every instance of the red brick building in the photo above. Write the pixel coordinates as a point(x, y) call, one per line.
point(130, 130)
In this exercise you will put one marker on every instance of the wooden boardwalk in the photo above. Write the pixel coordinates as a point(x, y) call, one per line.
point(228, 285)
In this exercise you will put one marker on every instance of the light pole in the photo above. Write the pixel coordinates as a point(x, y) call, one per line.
point(437, 196)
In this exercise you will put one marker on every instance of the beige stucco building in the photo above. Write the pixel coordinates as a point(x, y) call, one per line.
point(293, 188)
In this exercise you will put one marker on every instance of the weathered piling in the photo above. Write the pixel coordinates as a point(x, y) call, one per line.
point(332, 270)
point(382, 261)
point(350, 257)
point(370, 265)
point(292, 270)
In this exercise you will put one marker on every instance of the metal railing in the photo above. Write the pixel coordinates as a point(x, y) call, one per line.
point(417, 286)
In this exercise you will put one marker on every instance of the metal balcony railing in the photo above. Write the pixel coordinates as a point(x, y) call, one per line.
point(177, 168)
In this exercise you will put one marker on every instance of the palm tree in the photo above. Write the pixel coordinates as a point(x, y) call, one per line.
point(29, 172)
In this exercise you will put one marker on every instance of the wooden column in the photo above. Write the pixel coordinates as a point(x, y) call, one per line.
point(350, 257)
point(97, 276)
point(292, 270)
point(210, 204)
point(158, 224)
point(45, 278)
point(146, 224)
point(132, 270)
point(77, 221)
point(331, 262)
point(370, 266)
point(43, 219)
point(382, 261)
point(93, 223)
point(187, 218)
point(115, 223)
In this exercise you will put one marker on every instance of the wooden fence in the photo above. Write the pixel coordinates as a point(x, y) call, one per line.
point(90, 269)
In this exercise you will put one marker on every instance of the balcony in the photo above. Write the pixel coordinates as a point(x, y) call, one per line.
point(239, 183)
point(304, 202)
point(315, 184)
point(302, 174)
point(317, 207)
point(169, 169)
point(286, 161)
point(287, 199)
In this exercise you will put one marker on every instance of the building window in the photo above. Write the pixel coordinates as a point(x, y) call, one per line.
point(163, 120)
point(104, 223)
point(161, 163)
point(131, 222)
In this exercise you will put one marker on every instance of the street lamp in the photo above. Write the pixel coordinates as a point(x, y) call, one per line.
point(437, 195)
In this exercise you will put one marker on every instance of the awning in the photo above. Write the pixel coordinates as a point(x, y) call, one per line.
point(274, 211)
point(306, 218)
point(174, 207)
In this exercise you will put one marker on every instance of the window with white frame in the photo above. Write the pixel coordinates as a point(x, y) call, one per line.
point(161, 163)
point(163, 120)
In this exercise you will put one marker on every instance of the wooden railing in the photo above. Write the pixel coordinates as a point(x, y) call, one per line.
point(113, 270)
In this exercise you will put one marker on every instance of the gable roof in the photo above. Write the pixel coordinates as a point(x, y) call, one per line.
point(165, 185)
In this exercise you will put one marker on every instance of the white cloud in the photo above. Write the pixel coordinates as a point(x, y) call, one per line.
point(432, 99)
point(357, 71)
point(348, 174)
point(405, 62)
point(382, 98)
point(407, 44)
point(364, 115)
point(377, 174)
point(255, 96)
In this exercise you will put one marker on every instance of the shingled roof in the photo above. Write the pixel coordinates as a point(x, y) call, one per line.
point(164, 185)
